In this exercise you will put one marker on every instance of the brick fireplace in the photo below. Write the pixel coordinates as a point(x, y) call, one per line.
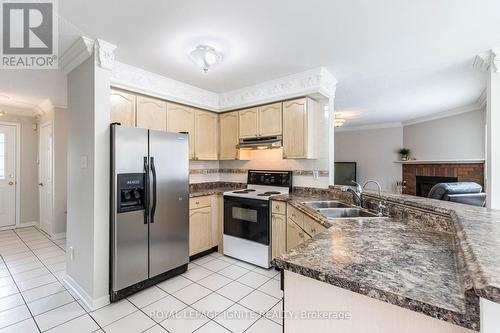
point(462, 172)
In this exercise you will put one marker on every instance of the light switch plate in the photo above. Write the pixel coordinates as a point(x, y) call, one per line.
point(83, 162)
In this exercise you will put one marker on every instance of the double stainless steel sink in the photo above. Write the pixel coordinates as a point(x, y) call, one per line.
point(338, 210)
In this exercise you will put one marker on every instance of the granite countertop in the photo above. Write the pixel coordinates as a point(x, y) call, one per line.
point(477, 230)
point(386, 259)
point(212, 189)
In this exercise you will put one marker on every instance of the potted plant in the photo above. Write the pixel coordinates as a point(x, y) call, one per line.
point(404, 152)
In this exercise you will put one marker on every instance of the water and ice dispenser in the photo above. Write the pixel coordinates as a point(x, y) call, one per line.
point(131, 192)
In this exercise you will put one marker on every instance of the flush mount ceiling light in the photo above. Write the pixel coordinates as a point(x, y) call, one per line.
point(205, 57)
point(339, 121)
point(2, 113)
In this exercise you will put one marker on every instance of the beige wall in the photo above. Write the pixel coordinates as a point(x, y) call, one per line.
point(374, 151)
point(457, 137)
point(29, 168)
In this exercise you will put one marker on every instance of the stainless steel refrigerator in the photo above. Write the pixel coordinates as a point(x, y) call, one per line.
point(149, 208)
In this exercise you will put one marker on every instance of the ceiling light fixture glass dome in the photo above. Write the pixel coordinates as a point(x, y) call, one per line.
point(205, 56)
point(339, 121)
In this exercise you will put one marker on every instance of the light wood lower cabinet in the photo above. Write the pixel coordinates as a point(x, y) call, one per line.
point(151, 113)
point(220, 223)
point(200, 230)
point(278, 228)
point(294, 235)
point(122, 108)
point(299, 227)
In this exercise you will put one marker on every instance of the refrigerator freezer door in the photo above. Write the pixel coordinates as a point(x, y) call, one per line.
point(169, 221)
point(129, 230)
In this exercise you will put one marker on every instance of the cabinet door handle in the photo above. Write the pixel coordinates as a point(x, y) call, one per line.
point(301, 235)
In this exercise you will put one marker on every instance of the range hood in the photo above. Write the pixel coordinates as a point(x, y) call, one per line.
point(261, 142)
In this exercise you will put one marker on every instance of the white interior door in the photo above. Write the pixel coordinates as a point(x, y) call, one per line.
point(45, 177)
point(8, 184)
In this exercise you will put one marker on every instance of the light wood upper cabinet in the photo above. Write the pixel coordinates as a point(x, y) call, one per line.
point(180, 118)
point(270, 119)
point(122, 108)
point(206, 135)
point(261, 121)
point(200, 230)
point(229, 136)
point(151, 113)
point(249, 122)
point(299, 119)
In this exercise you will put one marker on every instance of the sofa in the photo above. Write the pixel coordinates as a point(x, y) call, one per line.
point(462, 192)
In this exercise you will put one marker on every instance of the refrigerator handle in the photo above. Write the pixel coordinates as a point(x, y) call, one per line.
point(146, 189)
point(153, 207)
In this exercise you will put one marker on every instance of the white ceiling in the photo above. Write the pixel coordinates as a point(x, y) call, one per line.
point(395, 60)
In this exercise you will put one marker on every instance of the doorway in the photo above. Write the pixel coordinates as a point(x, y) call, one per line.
point(45, 171)
point(9, 171)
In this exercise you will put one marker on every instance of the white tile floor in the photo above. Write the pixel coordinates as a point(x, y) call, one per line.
point(216, 294)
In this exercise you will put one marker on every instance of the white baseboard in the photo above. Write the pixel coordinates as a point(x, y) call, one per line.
point(20, 225)
point(58, 236)
point(89, 302)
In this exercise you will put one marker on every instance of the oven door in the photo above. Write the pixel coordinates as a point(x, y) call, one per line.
point(247, 219)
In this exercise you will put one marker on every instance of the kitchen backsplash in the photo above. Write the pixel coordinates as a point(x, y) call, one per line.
point(207, 174)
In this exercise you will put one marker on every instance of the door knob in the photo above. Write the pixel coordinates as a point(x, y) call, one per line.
point(40, 184)
point(11, 183)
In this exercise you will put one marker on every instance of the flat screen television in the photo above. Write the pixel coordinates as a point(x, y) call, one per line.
point(345, 173)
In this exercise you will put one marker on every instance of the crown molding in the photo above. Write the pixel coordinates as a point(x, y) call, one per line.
point(478, 106)
point(80, 51)
point(368, 127)
point(488, 60)
point(105, 54)
point(483, 98)
point(138, 80)
point(314, 81)
point(43, 107)
point(317, 82)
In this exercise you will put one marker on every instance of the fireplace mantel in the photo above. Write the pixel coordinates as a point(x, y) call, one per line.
point(466, 161)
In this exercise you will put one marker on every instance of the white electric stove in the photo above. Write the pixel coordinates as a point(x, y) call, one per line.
point(247, 216)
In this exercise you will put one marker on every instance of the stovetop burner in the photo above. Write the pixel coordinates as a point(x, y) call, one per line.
point(241, 192)
point(268, 193)
point(249, 190)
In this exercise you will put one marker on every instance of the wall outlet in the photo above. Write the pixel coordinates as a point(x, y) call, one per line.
point(315, 174)
point(71, 253)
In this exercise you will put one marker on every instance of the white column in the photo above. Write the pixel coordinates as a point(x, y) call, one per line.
point(492, 66)
point(87, 262)
point(331, 141)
